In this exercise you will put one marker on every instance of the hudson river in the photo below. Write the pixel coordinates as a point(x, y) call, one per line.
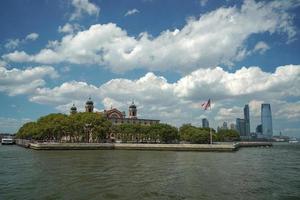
point(250, 173)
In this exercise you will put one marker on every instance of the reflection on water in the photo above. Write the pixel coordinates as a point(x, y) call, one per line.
point(251, 173)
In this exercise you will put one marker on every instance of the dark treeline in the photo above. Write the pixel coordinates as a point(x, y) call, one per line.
point(93, 127)
point(193, 134)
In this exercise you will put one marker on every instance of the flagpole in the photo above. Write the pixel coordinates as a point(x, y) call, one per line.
point(207, 105)
point(210, 133)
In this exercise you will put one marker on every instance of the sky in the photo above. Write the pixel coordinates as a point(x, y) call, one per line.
point(168, 56)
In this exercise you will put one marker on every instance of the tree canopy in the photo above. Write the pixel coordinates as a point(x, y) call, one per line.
point(93, 127)
point(80, 127)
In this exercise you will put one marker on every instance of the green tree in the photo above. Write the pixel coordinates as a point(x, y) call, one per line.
point(228, 135)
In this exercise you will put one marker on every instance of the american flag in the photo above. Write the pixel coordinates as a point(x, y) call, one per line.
point(206, 105)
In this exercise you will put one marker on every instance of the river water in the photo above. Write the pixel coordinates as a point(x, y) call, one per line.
point(250, 173)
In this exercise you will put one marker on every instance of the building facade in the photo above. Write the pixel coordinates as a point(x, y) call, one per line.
point(240, 127)
point(247, 120)
point(266, 120)
point(116, 116)
point(224, 126)
point(205, 123)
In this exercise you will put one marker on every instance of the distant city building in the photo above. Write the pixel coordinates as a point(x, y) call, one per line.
point(266, 120)
point(240, 127)
point(258, 132)
point(205, 123)
point(225, 126)
point(259, 129)
point(232, 126)
point(247, 120)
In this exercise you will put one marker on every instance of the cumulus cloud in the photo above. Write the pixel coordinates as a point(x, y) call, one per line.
point(69, 28)
point(287, 110)
point(14, 43)
point(215, 38)
point(17, 56)
point(16, 81)
point(203, 2)
point(244, 82)
point(83, 7)
point(32, 36)
point(131, 12)
point(179, 102)
point(261, 47)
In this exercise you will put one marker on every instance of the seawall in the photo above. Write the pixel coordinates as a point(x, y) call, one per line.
point(127, 146)
point(227, 147)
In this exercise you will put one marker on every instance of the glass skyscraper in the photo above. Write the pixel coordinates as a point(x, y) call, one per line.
point(240, 127)
point(247, 120)
point(205, 123)
point(266, 120)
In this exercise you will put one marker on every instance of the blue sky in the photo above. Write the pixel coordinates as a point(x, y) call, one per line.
point(169, 56)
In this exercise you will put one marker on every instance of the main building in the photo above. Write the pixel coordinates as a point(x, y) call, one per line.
point(116, 116)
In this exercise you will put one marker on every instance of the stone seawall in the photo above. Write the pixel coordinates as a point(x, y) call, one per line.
point(23, 143)
point(255, 144)
point(227, 147)
point(125, 146)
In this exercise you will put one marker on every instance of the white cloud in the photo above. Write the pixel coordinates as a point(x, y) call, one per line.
point(203, 2)
point(17, 56)
point(244, 82)
point(15, 81)
point(66, 93)
point(12, 44)
point(261, 47)
point(131, 12)
point(229, 115)
point(217, 37)
point(69, 28)
point(255, 107)
point(2, 63)
point(179, 102)
point(32, 36)
point(83, 7)
point(287, 110)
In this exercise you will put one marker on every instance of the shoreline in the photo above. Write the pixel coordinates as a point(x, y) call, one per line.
point(231, 147)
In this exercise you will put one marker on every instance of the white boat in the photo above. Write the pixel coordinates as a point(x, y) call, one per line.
point(7, 141)
point(293, 141)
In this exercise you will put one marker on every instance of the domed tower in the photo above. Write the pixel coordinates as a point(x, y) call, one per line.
point(132, 111)
point(89, 105)
point(73, 110)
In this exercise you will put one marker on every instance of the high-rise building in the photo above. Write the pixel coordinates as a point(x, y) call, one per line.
point(258, 132)
point(232, 126)
point(247, 120)
point(225, 126)
point(205, 123)
point(240, 127)
point(259, 129)
point(266, 120)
